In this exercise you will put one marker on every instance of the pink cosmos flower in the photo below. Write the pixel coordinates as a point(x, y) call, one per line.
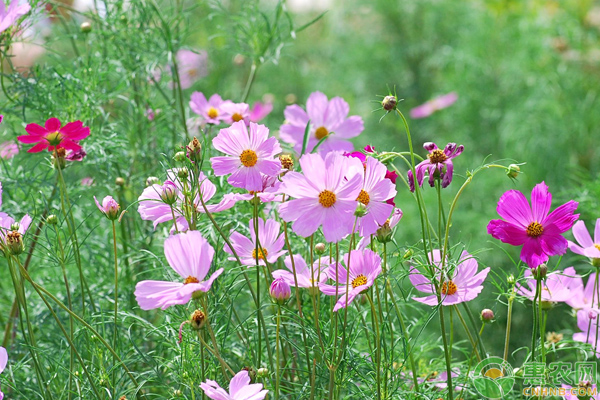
point(150, 114)
point(438, 103)
point(280, 290)
point(540, 233)
point(260, 110)
point(54, 135)
point(308, 278)
point(77, 155)
point(250, 153)
point(462, 285)
point(109, 207)
point(191, 67)
point(87, 181)
point(152, 208)
point(323, 196)
point(572, 392)
point(3, 362)
point(9, 15)
point(270, 240)
point(328, 119)
point(190, 256)
point(8, 150)
point(210, 110)
point(581, 297)
point(588, 322)
point(234, 112)
point(555, 288)
point(438, 164)
point(270, 191)
point(587, 247)
point(6, 222)
point(240, 388)
point(365, 267)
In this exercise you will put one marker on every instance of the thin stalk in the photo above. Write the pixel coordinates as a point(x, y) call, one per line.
point(534, 330)
point(277, 372)
point(446, 352)
point(116, 309)
point(378, 349)
point(464, 324)
point(511, 299)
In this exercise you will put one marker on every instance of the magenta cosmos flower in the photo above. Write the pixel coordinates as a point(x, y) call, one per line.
point(437, 165)
point(240, 388)
point(8, 150)
point(3, 362)
point(323, 196)
point(250, 153)
point(587, 247)
point(271, 243)
point(462, 285)
point(587, 322)
point(307, 277)
point(555, 288)
point(9, 15)
point(328, 119)
point(581, 297)
point(190, 256)
point(209, 110)
point(438, 103)
point(365, 267)
point(191, 67)
point(53, 135)
point(538, 232)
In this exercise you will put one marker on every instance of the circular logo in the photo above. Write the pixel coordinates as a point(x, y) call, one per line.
point(493, 378)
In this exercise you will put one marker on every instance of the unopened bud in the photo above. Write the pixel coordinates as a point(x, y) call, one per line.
point(14, 243)
point(513, 171)
point(389, 103)
point(320, 248)
point(180, 156)
point(182, 173)
point(511, 279)
point(120, 181)
point(487, 315)
point(287, 161)
point(280, 291)
point(122, 398)
point(152, 180)
point(169, 193)
point(15, 226)
point(591, 315)
point(85, 27)
point(194, 150)
point(547, 305)
point(197, 320)
point(109, 207)
point(361, 210)
point(540, 272)
point(262, 373)
point(58, 158)
point(384, 233)
point(596, 262)
point(52, 219)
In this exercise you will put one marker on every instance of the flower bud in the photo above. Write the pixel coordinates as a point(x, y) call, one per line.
point(547, 305)
point(194, 150)
point(169, 193)
point(487, 315)
point(14, 243)
point(197, 320)
point(513, 171)
point(361, 210)
point(58, 158)
point(52, 219)
point(183, 173)
point(540, 272)
point(384, 233)
point(180, 156)
point(120, 182)
point(109, 207)
point(287, 162)
point(262, 373)
point(511, 279)
point(152, 180)
point(85, 27)
point(280, 291)
point(15, 226)
point(320, 248)
point(591, 315)
point(596, 262)
point(389, 103)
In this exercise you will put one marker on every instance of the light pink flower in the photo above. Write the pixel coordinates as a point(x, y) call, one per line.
point(270, 240)
point(8, 150)
point(250, 153)
point(580, 297)
point(87, 181)
point(328, 119)
point(109, 207)
point(459, 285)
point(588, 322)
point(271, 191)
point(438, 103)
point(323, 196)
point(9, 15)
point(190, 256)
point(307, 277)
point(240, 388)
point(260, 110)
point(7, 222)
point(365, 267)
point(280, 290)
point(586, 247)
point(571, 392)
point(210, 110)
point(555, 288)
point(53, 135)
point(191, 67)
point(234, 112)
point(3, 362)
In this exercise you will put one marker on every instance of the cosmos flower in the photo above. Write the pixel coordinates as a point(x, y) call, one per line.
point(54, 135)
point(438, 103)
point(588, 322)
point(271, 243)
point(260, 110)
point(77, 155)
point(87, 181)
point(555, 288)
point(190, 256)
point(280, 290)
point(240, 388)
point(8, 150)
point(250, 153)
point(581, 297)
point(587, 247)
point(328, 119)
point(3, 362)
point(7, 222)
point(234, 112)
point(323, 196)
point(308, 278)
point(538, 232)
point(584, 388)
point(270, 191)
point(462, 285)
point(438, 164)
point(191, 67)
point(9, 15)
point(209, 110)
point(365, 267)
point(109, 207)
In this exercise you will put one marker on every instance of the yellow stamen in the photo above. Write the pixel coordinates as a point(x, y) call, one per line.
point(535, 229)
point(327, 198)
point(262, 254)
point(212, 113)
point(437, 156)
point(364, 197)
point(191, 279)
point(249, 158)
point(321, 132)
point(359, 281)
point(237, 117)
point(449, 288)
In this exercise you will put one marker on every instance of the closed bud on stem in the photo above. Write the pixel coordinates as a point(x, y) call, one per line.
point(52, 219)
point(513, 171)
point(320, 248)
point(180, 156)
point(280, 291)
point(14, 243)
point(109, 207)
point(120, 182)
point(169, 193)
point(540, 272)
point(152, 180)
point(384, 233)
point(183, 173)
point(58, 158)
point(596, 262)
point(511, 279)
point(262, 373)
point(197, 320)
point(361, 210)
point(85, 27)
point(287, 161)
point(487, 315)
point(389, 103)
point(194, 150)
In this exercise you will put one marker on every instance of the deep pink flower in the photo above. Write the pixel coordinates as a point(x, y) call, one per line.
point(365, 267)
point(240, 388)
point(438, 164)
point(260, 110)
point(190, 256)
point(8, 150)
point(251, 152)
point(307, 277)
point(369, 149)
point(532, 227)
point(588, 322)
point(280, 290)
point(234, 112)
point(323, 196)
point(438, 103)
point(9, 15)
point(462, 285)
point(191, 67)
point(77, 155)
point(150, 114)
point(1, 118)
point(210, 110)
point(3, 362)
point(328, 119)
point(555, 288)
point(271, 243)
point(581, 297)
point(109, 207)
point(54, 135)
point(586, 247)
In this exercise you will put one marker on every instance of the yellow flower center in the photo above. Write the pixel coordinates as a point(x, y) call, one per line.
point(54, 138)
point(449, 288)
point(193, 72)
point(597, 246)
point(364, 197)
point(249, 158)
point(237, 117)
point(327, 198)
point(191, 279)
point(321, 132)
point(212, 113)
point(437, 156)
point(262, 254)
point(535, 229)
point(359, 281)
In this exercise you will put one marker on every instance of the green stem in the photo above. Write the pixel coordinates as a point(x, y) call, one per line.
point(511, 299)
point(116, 309)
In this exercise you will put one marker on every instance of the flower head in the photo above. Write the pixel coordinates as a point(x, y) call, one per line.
point(190, 256)
point(240, 388)
point(8, 234)
point(533, 227)
point(437, 165)
point(438, 103)
point(109, 207)
point(589, 323)
point(191, 67)
point(328, 120)
point(53, 135)
point(555, 288)
point(8, 150)
point(306, 277)
point(586, 247)
point(280, 290)
point(234, 112)
point(210, 110)
point(323, 196)
point(271, 243)
point(250, 153)
point(364, 267)
point(587, 388)
point(9, 15)
point(581, 297)
point(77, 155)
